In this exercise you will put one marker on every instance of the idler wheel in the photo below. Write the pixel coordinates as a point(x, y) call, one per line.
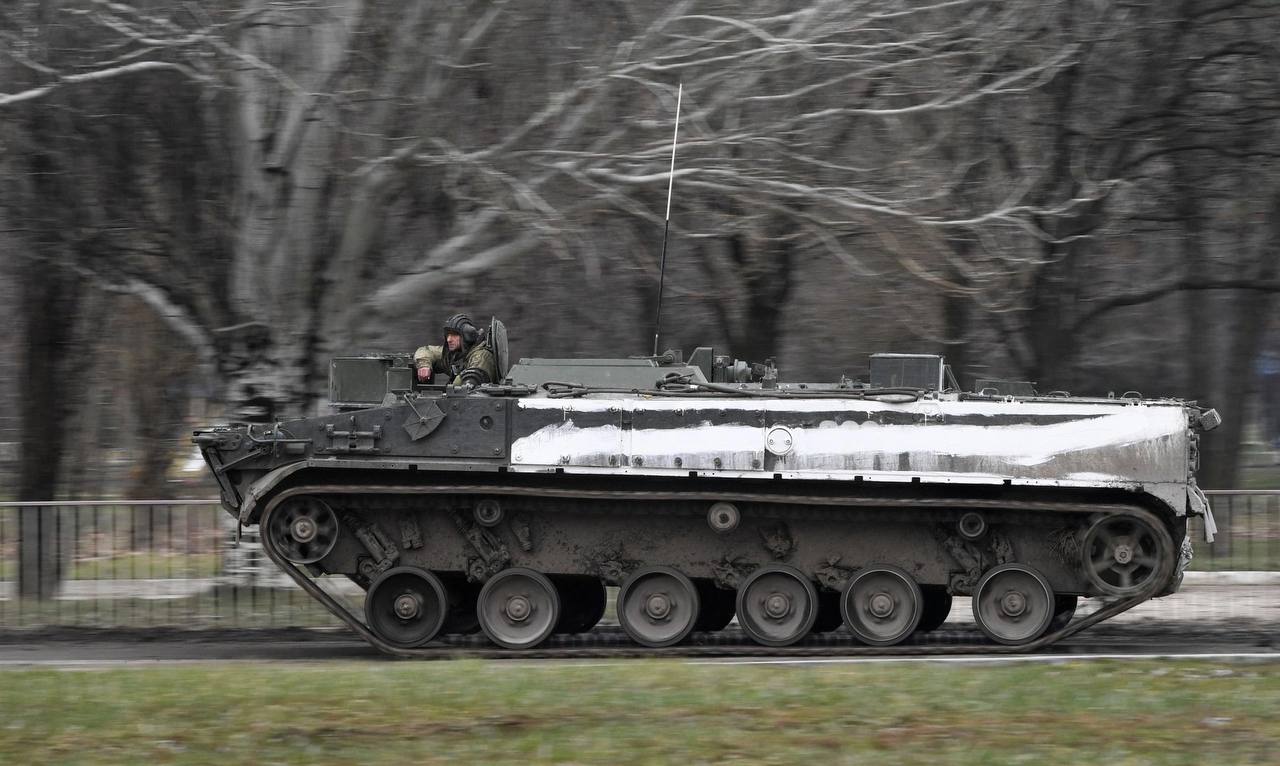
point(518, 608)
point(1123, 553)
point(937, 607)
point(1013, 604)
point(406, 607)
point(304, 529)
point(882, 605)
point(658, 606)
point(777, 605)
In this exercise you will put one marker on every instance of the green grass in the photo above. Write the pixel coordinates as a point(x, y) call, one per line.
point(646, 712)
point(134, 565)
point(218, 608)
point(1243, 555)
point(1258, 473)
point(146, 565)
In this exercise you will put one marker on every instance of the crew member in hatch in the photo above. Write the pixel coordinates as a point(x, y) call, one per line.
point(465, 357)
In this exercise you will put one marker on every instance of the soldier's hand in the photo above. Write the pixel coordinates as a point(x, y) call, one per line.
point(424, 374)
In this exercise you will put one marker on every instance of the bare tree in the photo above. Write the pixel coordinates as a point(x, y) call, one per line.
point(368, 175)
point(280, 182)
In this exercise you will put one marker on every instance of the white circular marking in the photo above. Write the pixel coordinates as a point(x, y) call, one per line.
point(780, 441)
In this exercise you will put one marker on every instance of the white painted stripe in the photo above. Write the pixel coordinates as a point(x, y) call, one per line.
point(1023, 444)
point(78, 664)
point(640, 403)
point(1151, 447)
point(873, 476)
point(987, 659)
point(569, 662)
point(1198, 579)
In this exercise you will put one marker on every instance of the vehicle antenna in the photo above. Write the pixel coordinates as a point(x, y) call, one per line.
point(662, 267)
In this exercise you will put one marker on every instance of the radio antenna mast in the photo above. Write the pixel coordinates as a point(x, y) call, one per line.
point(662, 267)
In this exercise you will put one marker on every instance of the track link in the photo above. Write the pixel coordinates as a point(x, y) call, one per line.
point(612, 644)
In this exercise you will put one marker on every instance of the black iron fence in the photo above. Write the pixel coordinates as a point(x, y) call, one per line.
point(1248, 536)
point(176, 563)
point(141, 564)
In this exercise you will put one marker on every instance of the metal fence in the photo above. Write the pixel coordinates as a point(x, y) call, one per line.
point(174, 563)
point(141, 564)
point(1248, 536)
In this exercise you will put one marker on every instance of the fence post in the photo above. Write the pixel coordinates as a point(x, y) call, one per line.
point(39, 563)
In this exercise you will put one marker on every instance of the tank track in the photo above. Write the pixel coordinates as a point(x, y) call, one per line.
point(613, 643)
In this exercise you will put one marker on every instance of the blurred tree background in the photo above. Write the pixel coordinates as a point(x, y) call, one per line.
point(203, 202)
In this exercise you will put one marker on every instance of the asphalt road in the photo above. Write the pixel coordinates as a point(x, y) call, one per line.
point(79, 651)
point(1204, 620)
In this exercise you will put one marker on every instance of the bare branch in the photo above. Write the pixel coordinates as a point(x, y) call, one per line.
point(8, 99)
point(1103, 306)
point(406, 292)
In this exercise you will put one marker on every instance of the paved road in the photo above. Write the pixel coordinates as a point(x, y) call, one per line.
point(70, 651)
point(1202, 620)
point(173, 588)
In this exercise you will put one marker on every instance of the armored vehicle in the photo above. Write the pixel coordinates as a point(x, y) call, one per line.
point(707, 489)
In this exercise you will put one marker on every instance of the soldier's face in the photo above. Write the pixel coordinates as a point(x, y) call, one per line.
point(453, 340)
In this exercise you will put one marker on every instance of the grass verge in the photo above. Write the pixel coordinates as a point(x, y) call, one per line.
point(646, 712)
point(1242, 554)
point(218, 607)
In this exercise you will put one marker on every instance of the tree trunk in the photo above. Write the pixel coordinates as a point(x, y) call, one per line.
point(759, 332)
point(1220, 449)
point(49, 304)
point(957, 311)
point(155, 373)
point(287, 154)
point(1053, 343)
point(1199, 332)
point(754, 275)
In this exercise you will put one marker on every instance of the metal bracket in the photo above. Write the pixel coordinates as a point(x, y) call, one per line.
point(833, 574)
point(410, 532)
point(777, 540)
point(352, 440)
point(258, 451)
point(382, 550)
point(492, 555)
point(730, 572)
point(227, 441)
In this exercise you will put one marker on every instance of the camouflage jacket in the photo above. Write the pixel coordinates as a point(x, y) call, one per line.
point(435, 357)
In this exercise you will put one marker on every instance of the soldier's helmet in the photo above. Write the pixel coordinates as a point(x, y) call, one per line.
point(462, 324)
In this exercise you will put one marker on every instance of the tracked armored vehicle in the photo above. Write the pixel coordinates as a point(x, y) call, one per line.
point(707, 489)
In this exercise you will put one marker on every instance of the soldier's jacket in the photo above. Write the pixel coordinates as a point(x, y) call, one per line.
point(437, 358)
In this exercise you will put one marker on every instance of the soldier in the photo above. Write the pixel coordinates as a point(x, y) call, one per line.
point(463, 357)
